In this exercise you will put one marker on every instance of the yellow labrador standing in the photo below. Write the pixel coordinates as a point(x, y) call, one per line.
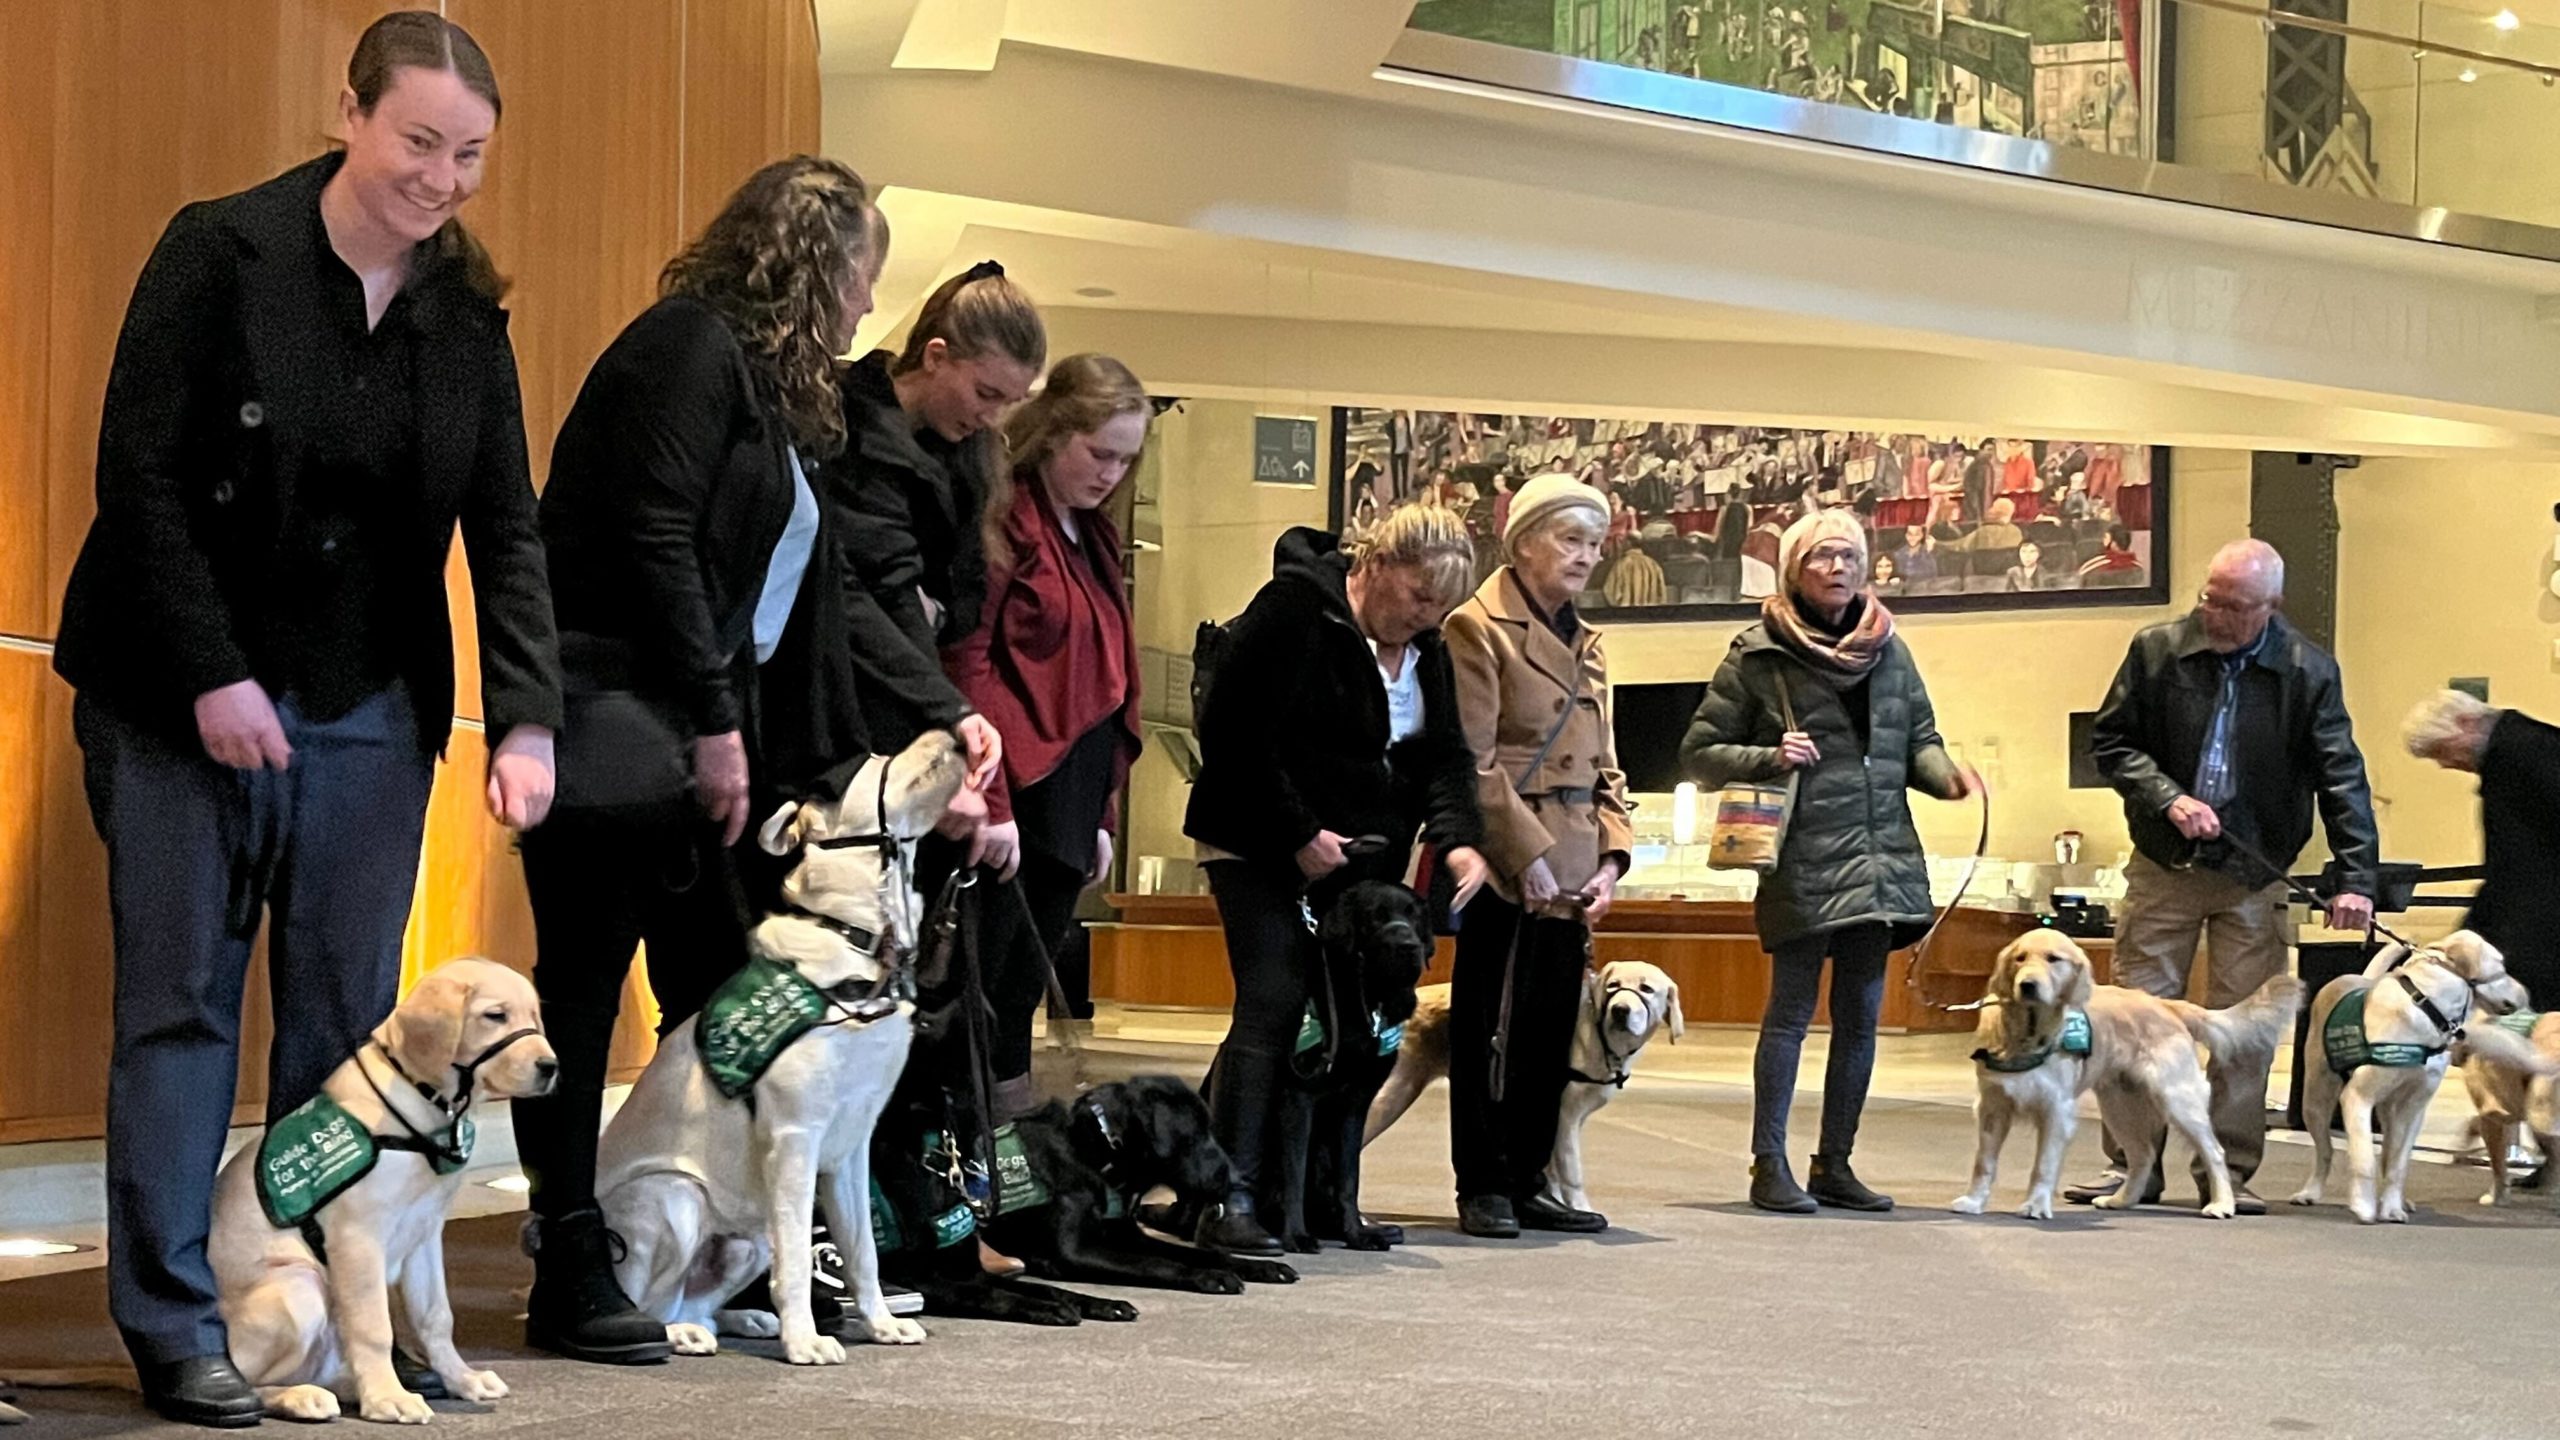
point(2049, 1035)
point(711, 1175)
point(1624, 1004)
point(2378, 1045)
point(2512, 1068)
point(308, 1303)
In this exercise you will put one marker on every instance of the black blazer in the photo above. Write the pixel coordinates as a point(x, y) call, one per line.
point(2291, 745)
point(2518, 908)
point(1293, 731)
point(909, 522)
point(201, 445)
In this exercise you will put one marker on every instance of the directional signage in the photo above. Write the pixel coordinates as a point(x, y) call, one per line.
point(1284, 450)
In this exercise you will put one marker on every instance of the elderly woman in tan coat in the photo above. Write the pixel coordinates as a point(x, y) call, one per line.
point(1533, 692)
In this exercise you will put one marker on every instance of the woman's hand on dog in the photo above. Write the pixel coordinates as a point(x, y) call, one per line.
point(1471, 870)
point(1000, 848)
point(521, 775)
point(720, 782)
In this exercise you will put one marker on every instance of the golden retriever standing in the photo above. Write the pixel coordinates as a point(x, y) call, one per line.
point(2511, 1077)
point(2050, 1035)
point(2414, 1005)
point(311, 1327)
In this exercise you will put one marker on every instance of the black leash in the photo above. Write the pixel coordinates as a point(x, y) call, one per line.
point(2305, 893)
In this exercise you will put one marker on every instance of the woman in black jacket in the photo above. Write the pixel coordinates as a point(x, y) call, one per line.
point(684, 535)
point(1332, 717)
point(313, 384)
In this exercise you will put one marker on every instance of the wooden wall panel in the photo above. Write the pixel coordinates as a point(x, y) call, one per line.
point(26, 279)
point(138, 107)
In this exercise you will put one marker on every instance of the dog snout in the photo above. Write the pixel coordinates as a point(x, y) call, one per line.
point(546, 1074)
point(1628, 1017)
point(2030, 988)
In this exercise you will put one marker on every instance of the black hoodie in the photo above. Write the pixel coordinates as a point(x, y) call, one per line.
point(1293, 731)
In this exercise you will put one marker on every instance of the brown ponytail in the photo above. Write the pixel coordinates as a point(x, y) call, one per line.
point(976, 313)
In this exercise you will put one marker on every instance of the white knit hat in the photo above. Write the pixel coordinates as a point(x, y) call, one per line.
point(1532, 504)
point(1812, 530)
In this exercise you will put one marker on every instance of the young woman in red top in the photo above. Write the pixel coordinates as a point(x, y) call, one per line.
point(1053, 665)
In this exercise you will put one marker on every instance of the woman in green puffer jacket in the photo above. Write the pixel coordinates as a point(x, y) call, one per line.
point(1851, 883)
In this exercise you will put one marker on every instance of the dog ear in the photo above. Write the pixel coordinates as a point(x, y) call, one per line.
point(2083, 987)
point(425, 1030)
point(780, 835)
point(1671, 1012)
point(2003, 984)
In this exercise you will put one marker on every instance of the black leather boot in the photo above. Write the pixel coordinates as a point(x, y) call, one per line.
point(1241, 1105)
point(204, 1390)
point(1833, 1183)
point(577, 1309)
point(1774, 1188)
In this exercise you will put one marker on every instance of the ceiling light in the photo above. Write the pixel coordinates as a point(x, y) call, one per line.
point(2468, 75)
point(21, 1247)
point(1097, 292)
point(2505, 20)
point(512, 1184)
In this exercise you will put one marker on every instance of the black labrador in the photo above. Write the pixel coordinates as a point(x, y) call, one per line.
point(1094, 1158)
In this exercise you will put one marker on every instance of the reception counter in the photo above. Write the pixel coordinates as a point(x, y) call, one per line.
point(1167, 950)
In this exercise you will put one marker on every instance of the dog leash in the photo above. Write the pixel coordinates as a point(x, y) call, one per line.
point(1920, 952)
point(2305, 893)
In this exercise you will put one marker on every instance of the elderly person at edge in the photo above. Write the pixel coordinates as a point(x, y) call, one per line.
point(2518, 761)
point(1851, 883)
point(2222, 729)
point(1533, 692)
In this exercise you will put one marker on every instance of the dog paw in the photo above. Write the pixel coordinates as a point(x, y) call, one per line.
point(395, 1407)
point(2363, 1211)
point(303, 1402)
point(2489, 1199)
point(1368, 1237)
point(813, 1350)
point(747, 1324)
point(1217, 1282)
point(1264, 1272)
point(1094, 1307)
point(1966, 1204)
point(894, 1330)
point(1302, 1245)
point(479, 1385)
point(2220, 1209)
point(2125, 1198)
point(692, 1340)
point(2392, 1212)
point(2305, 1196)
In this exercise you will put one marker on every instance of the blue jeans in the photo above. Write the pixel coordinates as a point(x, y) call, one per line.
point(1857, 955)
point(327, 849)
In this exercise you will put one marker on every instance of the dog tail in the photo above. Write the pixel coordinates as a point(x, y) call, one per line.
point(2504, 1049)
point(2252, 1027)
point(1405, 1085)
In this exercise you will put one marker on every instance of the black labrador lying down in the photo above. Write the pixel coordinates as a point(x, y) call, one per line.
point(1083, 1166)
point(1371, 949)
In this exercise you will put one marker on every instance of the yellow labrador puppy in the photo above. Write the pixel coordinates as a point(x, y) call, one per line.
point(344, 1202)
point(1625, 1003)
point(761, 1108)
point(2049, 1035)
point(2512, 1068)
point(2379, 1044)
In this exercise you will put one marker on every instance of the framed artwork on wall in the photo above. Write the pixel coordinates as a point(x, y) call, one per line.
point(1954, 522)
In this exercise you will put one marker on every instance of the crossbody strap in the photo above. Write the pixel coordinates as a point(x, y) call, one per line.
point(1562, 716)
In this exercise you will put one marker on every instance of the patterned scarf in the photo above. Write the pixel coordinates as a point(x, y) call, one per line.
point(1852, 653)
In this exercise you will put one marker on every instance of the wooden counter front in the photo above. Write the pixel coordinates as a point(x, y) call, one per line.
point(1167, 950)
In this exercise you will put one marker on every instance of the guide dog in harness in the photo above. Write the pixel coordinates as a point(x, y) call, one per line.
point(2049, 1034)
point(1625, 1003)
point(2379, 1043)
point(2512, 1068)
point(344, 1201)
point(761, 1107)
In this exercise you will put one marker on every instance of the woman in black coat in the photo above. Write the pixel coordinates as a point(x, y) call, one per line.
point(312, 386)
point(1332, 717)
point(689, 565)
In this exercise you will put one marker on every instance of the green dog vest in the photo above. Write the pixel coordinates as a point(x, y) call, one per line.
point(311, 1156)
point(2344, 1038)
point(751, 1019)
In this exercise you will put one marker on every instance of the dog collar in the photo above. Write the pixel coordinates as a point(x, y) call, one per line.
point(2072, 1039)
point(2451, 1026)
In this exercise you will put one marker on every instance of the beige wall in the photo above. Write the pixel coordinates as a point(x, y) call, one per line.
point(2442, 572)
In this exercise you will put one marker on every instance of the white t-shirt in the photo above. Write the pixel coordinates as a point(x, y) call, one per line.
point(1404, 696)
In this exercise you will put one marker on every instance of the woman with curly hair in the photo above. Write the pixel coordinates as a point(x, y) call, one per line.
point(682, 531)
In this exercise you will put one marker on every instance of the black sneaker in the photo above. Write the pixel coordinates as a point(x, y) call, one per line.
point(1488, 1217)
point(1540, 1213)
point(1774, 1188)
point(1831, 1182)
point(577, 1309)
point(414, 1373)
point(204, 1390)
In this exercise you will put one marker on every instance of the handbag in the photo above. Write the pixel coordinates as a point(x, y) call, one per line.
point(621, 751)
point(1751, 819)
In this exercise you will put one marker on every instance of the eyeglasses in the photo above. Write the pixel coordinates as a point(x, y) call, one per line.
point(2228, 604)
point(1832, 557)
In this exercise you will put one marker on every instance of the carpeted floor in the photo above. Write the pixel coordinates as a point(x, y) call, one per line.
point(1694, 1316)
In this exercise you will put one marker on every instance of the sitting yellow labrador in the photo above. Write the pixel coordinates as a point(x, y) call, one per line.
point(344, 1201)
point(2050, 1035)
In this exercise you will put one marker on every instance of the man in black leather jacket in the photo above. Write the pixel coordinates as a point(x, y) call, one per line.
point(2228, 726)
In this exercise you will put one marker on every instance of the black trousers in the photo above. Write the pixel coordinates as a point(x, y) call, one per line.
point(327, 849)
point(1047, 888)
point(600, 888)
point(1502, 1148)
